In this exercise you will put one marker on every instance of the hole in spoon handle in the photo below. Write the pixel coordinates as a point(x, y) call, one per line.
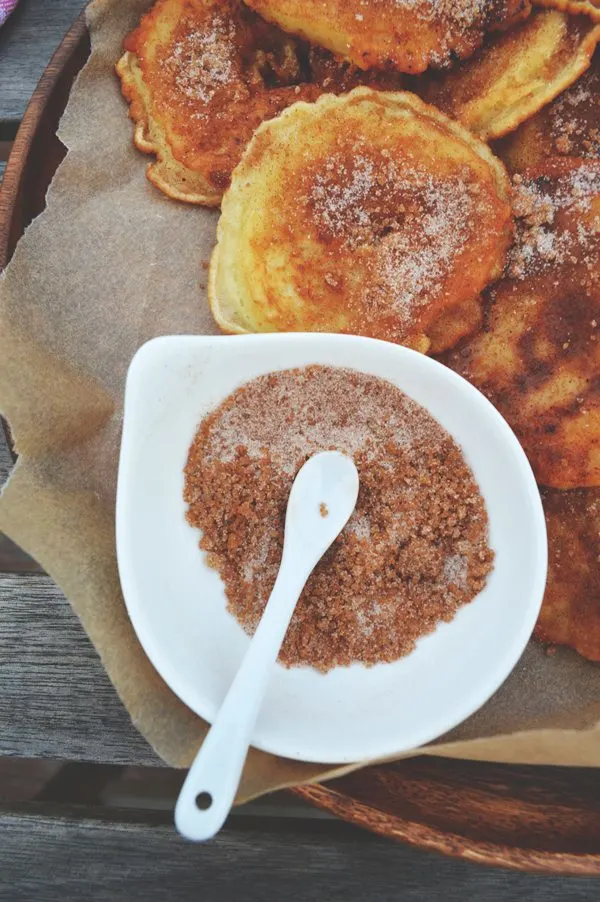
point(206, 798)
point(211, 785)
point(204, 801)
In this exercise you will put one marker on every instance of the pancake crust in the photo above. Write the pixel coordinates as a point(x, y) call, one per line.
point(201, 75)
point(590, 8)
point(454, 324)
point(538, 356)
point(409, 35)
point(569, 126)
point(516, 74)
point(369, 213)
point(570, 613)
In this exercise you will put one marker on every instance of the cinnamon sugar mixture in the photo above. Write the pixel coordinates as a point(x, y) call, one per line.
point(555, 220)
point(414, 550)
point(574, 118)
point(407, 228)
point(202, 60)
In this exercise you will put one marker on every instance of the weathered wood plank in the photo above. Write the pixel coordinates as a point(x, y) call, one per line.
point(48, 858)
point(27, 41)
point(55, 698)
point(22, 779)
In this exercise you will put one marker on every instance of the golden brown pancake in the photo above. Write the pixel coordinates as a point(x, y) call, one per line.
point(201, 75)
point(569, 126)
point(576, 7)
point(570, 613)
point(538, 355)
point(408, 35)
point(454, 324)
point(370, 213)
point(516, 74)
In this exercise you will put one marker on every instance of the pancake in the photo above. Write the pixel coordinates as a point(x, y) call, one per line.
point(370, 213)
point(569, 126)
point(516, 74)
point(538, 355)
point(570, 613)
point(201, 75)
point(577, 7)
point(409, 35)
point(454, 324)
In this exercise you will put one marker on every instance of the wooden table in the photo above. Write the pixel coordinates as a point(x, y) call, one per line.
point(85, 806)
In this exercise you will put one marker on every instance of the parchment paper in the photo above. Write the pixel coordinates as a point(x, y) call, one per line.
point(108, 265)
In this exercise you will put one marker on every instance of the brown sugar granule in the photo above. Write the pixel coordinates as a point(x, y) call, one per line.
point(407, 228)
point(554, 220)
point(574, 117)
point(414, 550)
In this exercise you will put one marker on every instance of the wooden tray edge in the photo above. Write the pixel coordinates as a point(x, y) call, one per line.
point(72, 45)
point(16, 166)
point(425, 838)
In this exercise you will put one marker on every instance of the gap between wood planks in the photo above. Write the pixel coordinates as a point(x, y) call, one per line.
point(56, 702)
point(34, 783)
point(5, 148)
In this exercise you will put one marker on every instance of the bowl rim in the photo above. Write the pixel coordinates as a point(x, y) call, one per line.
point(176, 679)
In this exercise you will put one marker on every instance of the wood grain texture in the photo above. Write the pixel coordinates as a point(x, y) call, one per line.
point(529, 818)
point(437, 808)
point(47, 857)
point(56, 700)
point(27, 41)
point(36, 151)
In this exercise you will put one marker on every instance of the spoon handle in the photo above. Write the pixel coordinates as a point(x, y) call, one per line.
point(211, 785)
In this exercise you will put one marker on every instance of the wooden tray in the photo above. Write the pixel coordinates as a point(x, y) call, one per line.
point(544, 819)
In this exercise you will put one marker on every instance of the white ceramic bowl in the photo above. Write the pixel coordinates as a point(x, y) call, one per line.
point(177, 604)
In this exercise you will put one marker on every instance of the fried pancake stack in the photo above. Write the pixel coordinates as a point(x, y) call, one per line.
point(588, 7)
point(402, 34)
point(570, 611)
point(537, 358)
point(360, 233)
point(346, 142)
point(517, 73)
point(201, 76)
point(569, 126)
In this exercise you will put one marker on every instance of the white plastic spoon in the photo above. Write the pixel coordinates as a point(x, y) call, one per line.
point(321, 501)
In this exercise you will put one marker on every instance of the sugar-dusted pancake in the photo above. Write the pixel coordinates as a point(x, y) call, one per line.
point(409, 35)
point(201, 75)
point(370, 213)
point(538, 355)
point(569, 126)
point(590, 8)
point(570, 613)
point(516, 74)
